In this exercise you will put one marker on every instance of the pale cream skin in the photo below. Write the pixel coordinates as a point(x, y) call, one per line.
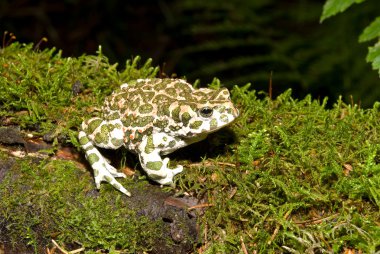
point(153, 117)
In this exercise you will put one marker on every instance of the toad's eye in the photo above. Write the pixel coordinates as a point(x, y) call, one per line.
point(206, 111)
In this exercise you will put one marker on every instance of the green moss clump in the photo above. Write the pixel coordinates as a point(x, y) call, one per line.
point(43, 91)
point(302, 179)
point(41, 201)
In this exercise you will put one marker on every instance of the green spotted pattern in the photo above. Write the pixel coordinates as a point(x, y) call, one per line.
point(213, 124)
point(185, 118)
point(154, 165)
point(149, 145)
point(84, 140)
point(196, 124)
point(145, 109)
point(92, 125)
point(93, 158)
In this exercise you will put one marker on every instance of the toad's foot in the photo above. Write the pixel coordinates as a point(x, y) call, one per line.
point(103, 171)
point(160, 172)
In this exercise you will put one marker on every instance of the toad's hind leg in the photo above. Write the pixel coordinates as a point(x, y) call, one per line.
point(105, 134)
point(149, 154)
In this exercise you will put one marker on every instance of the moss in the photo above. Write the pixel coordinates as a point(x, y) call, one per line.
point(45, 92)
point(303, 178)
point(40, 203)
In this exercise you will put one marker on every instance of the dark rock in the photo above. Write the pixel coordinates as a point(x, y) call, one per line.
point(11, 135)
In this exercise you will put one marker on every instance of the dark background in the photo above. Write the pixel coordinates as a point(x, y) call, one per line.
point(237, 41)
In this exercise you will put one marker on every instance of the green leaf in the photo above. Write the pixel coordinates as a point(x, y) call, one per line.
point(374, 56)
point(371, 32)
point(332, 7)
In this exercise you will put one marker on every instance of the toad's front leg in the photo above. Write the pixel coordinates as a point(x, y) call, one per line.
point(105, 134)
point(149, 154)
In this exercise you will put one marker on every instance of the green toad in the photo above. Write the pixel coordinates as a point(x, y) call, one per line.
point(153, 117)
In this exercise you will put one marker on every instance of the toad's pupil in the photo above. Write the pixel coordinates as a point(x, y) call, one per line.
point(206, 112)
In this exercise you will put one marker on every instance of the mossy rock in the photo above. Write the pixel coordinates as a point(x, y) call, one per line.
point(45, 199)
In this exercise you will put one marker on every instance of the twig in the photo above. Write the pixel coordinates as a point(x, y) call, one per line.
point(212, 163)
point(205, 245)
point(59, 247)
point(275, 232)
point(316, 221)
point(50, 251)
point(270, 86)
point(233, 192)
point(65, 251)
point(200, 206)
point(243, 245)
